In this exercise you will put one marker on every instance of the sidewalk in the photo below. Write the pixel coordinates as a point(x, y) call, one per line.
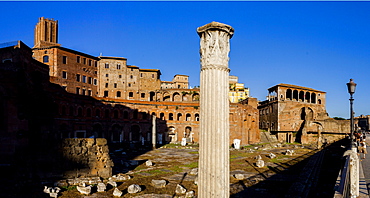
point(365, 173)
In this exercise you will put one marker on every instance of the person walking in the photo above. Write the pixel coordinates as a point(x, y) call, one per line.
point(362, 148)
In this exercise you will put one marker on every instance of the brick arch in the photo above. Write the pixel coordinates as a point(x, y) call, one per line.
point(176, 97)
point(195, 97)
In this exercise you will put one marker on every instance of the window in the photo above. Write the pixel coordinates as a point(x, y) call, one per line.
point(78, 77)
point(105, 93)
point(142, 95)
point(131, 76)
point(141, 75)
point(131, 94)
point(106, 65)
point(84, 79)
point(118, 66)
point(78, 59)
point(64, 74)
point(115, 85)
point(107, 75)
point(120, 76)
point(45, 59)
point(118, 94)
point(129, 85)
point(152, 75)
point(95, 81)
point(96, 63)
point(64, 59)
point(77, 90)
point(83, 91)
point(106, 85)
point(90, 62)
point(89, 92)
point(89, 80)
point(84, 60)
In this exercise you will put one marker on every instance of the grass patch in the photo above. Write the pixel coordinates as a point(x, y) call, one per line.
point(192, 165)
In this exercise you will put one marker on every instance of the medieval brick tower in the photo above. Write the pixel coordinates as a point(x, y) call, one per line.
point(46, 33)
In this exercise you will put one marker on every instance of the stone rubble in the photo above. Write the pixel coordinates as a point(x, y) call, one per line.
point(112, 183)
point(194, 171)
point(239, 176)
point(258, 157)
point(101, 187)
point(117, 192)
point(289, 152)
point(272, 156)
point(149, 163)
point(133, 188)
point(159, 183)
point(190, 194)
point(180, 189)
point(52, 191)
point(260, 163)
point(86, 190)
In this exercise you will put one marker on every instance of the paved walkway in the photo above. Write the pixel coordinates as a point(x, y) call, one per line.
point(365, 172)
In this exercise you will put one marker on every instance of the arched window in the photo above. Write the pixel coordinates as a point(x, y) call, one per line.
point(118, 94)
point(308, 97)
point(196, 117)
point(319, 101)
point(45, 59)
point(289, 94)
point(301, 96)
point(161, 116)
point(313, 98)
point(179, 115)
point(170, 116)
point(295, 95)
point(188, 117)
point(125, 115)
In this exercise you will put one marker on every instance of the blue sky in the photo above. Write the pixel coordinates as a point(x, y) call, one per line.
point(320, 45)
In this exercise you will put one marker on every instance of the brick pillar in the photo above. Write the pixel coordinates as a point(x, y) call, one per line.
point(214, 165)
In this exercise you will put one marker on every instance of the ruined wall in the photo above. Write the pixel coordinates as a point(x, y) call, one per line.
point(89, 156)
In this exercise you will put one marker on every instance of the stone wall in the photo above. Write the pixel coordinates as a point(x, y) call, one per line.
point(87, 156)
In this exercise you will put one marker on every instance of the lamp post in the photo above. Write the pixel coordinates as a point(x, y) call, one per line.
point(351, 90)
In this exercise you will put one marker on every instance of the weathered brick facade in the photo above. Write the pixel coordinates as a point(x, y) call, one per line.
point(297, 113)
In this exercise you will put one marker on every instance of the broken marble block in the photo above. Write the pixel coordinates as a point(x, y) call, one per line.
point(239, 176)
point(117, 192)
point(101, 187)
point(159, 183)
point(133, 188)
point(260, 163)
point(194, 171)
point(190, 194)
point(272, 156)
point(149, 163)
point(180, 189)
point(112, 183)
point(86, 190)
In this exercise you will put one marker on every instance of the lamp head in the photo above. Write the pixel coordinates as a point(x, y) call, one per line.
point(351, 87)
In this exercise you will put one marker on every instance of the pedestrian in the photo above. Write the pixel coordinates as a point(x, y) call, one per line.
point(362, 148)
point(364, 136)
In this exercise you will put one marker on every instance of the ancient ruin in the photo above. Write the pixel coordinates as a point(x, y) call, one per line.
point(214, 103)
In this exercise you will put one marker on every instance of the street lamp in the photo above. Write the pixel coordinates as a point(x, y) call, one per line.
point(351, 90)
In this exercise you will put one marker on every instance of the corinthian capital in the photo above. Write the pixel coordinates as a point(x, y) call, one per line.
point(214, 44)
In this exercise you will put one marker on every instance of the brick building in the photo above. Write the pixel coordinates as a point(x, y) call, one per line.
point(296, 113)
point(83, 96)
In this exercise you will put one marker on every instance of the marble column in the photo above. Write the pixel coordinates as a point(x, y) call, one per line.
point(154, 132)
point(214, 165)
